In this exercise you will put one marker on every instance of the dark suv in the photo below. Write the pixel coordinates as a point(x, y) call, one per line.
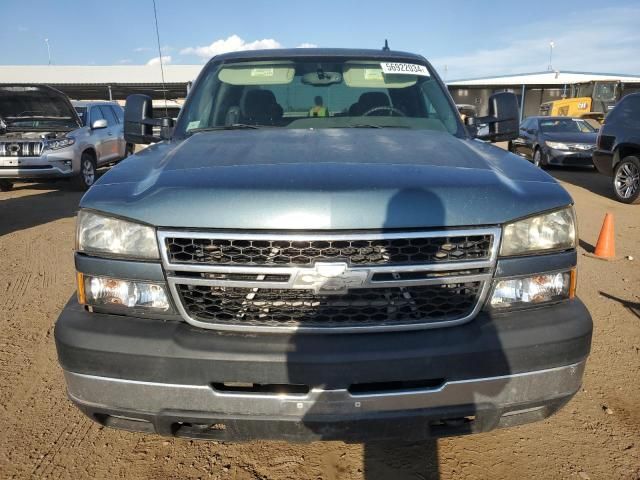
point(618, 149)
point(320, 249)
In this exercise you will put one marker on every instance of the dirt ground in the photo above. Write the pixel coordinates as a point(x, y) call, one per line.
point(42, 435)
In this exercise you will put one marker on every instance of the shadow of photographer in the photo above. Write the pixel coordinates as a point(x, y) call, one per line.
point(426, 372)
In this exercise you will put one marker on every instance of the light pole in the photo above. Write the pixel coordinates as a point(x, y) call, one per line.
point(551, 45)
point(46, 40)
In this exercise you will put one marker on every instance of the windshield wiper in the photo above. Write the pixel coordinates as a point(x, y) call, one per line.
point(234, 126)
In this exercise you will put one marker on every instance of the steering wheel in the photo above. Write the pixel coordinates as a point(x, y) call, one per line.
point(379, 109)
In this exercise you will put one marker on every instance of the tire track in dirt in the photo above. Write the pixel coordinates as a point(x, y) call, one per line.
point(16, 291)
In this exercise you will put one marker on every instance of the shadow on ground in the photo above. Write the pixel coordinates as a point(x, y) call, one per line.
point(26, 211)
point(587, 178)
point(633, 307)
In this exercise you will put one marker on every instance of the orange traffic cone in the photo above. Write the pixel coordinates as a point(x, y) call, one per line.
point(606, 246)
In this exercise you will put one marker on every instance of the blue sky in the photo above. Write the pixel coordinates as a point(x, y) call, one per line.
point(470, 38)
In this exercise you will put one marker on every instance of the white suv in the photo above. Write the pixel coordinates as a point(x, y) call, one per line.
point(42, 136)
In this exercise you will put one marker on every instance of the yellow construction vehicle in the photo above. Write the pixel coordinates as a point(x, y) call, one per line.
point(589, 100)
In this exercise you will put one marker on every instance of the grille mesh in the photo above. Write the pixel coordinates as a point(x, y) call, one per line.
point(213, 251)
point(358, 307)
point(20, 149)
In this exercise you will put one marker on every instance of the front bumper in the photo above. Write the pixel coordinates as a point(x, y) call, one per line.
point(163, 377)
point(58, 164)
point(199, 411)
point(569, 158)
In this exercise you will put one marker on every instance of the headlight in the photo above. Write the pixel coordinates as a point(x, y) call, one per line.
point(557, 145)
point(550, 231)
point(98, 234)
point(103, 291)
point(60, 143)
point(533, 290)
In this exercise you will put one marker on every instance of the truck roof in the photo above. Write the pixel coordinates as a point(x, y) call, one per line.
point(360, 53)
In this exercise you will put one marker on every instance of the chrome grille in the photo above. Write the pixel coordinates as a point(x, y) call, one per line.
point(371, 281)
point(359, 307)
point(238, 251)
point(21, 148)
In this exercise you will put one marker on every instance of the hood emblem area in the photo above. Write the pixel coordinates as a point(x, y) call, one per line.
point(330, 278)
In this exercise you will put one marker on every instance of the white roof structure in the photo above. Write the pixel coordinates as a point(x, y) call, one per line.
point(97, 75)
point(543, 78)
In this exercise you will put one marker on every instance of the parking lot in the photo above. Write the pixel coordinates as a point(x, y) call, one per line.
point(42, 435)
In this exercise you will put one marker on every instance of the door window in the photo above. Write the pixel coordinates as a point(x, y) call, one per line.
point(96, 114)
point(108, 115)
point(118, 113)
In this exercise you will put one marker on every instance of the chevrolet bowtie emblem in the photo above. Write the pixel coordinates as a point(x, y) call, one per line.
point(330, 278)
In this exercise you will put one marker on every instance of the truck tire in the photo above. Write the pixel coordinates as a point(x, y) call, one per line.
point(5, 185)
point(626, 180)
point(87, 175)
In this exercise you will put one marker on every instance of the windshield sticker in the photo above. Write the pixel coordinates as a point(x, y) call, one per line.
point(262, 72)
point(194, 124)
point(404, 69)
point(373, 74)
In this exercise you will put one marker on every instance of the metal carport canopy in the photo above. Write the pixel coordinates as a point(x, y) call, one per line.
point(94, 82)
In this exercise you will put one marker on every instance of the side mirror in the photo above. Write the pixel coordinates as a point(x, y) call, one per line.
point(139, 121)
point(98, 124)
point(137, 113)
point(503, 120)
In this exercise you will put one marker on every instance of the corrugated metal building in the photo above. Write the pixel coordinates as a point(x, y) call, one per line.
point(118, 81)
point(532, 89)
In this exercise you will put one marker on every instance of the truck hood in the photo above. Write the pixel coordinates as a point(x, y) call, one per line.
point(324, 179)
point(28, 102)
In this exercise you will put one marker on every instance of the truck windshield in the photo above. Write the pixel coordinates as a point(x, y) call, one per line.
point(302, 94)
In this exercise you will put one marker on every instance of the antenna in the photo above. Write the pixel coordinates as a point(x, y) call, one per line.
point(46, 40)
point(164, 88)
point(386, 46)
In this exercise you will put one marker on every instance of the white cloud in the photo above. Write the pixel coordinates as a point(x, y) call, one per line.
point(307, 45)
point(125, 61)
point(230, 44)
point(600, 40)
point(156, 60)
point(142, 49)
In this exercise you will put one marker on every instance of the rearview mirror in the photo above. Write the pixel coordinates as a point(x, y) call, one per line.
point(98, 124)
point(503, 119)
point(139, 121)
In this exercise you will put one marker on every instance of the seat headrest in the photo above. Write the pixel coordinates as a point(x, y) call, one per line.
point(369, 100)
point(261, 105)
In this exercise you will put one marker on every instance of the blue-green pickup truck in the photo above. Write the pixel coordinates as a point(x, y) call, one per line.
point(320, 248)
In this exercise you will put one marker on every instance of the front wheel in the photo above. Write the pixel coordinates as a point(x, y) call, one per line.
point(537, 159)
point(626, 180)
point(5, 185)
point(87, 175)
point(129, 149)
